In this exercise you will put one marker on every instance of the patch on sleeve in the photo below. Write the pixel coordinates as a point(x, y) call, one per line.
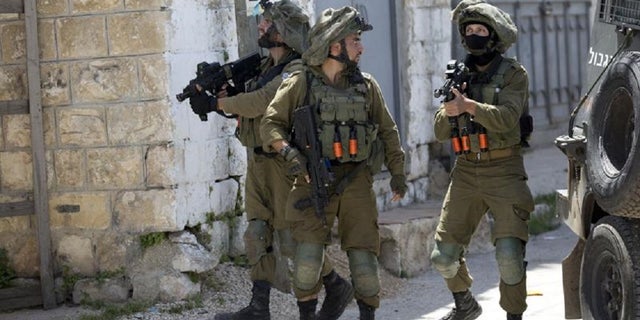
point(286, 75)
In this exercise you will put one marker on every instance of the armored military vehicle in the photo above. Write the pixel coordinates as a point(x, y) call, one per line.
point(601, 204)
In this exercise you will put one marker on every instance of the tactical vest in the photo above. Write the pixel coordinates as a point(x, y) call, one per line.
point(248, 130)
point(345, 129)
point(488, 91)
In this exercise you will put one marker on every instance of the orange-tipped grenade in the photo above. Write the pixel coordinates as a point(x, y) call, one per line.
point(337, 144)
point(482, 138)
point(353, 142)
point(456, 144)
point(464, 138)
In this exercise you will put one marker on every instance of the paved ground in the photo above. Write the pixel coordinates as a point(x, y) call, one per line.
point(426, 297)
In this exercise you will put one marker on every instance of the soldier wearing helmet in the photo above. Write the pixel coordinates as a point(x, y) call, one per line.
point(283, 32)
point(490, 176)
point(347, 104)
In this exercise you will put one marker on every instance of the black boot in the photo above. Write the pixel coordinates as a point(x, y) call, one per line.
point(339, 293)
point(367, 312)
point(512, 316)
point(258, 308)
point(466, 307)
point(307, 309)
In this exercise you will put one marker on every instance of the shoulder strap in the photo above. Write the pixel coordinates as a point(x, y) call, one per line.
point(274, 71)
point(498, 73)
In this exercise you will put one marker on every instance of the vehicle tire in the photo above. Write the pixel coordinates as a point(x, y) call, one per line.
point(613, 139)
point(610, 277)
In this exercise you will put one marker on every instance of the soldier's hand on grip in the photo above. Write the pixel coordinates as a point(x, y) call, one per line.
point(202, 103)
point(398, 186)
point(297, 162)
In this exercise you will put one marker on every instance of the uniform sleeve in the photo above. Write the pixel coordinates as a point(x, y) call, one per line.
point(252, 104)
point(387, 130)
point(441, 126)
point(277, 121)
point(512, 100)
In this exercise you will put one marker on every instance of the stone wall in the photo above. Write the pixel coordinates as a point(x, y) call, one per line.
point(124, 158)
point(424, 49)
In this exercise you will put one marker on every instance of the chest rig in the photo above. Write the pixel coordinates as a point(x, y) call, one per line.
point(486, 87)
point(345, 129)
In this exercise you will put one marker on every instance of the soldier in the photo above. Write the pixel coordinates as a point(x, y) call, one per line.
point(283, 31)
point(483, 180)
point(347, 104)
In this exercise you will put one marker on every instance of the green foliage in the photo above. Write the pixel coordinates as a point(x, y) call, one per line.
point(69, 280)
point(192, 303)
point(113, 311)
point(241, 261)
point(193, 276)
point(547, 220)
point(201, 236)
point(102, 276)
point(6, 272)
point(151, 239)
point(225, 258)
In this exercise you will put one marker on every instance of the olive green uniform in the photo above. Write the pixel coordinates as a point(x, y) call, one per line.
point(492, 181)
point(355, 207)
point(267, 182)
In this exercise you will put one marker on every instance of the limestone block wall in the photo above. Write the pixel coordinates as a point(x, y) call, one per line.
point(123, 157)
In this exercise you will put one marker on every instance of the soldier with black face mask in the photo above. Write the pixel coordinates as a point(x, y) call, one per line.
point(489, 177)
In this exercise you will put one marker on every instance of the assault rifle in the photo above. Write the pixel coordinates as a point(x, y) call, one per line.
point(213, 76)
point(455, 75)
point(306, 139)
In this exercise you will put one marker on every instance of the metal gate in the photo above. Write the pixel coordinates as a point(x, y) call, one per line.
point(553, 42)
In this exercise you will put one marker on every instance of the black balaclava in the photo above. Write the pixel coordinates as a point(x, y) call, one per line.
point(481, 49)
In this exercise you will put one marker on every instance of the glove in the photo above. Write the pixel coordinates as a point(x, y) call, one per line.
point(297, 161)
point(202, 103)
point(399, 184)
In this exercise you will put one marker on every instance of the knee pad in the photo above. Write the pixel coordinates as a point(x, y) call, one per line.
point(445, 258)
point(257, 240)
point(510, 258)
point(307, 265)
point(364, 272)
point(286, 243)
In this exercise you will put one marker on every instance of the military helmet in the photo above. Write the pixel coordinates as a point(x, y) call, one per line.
point(332, 26)
point(478, 11)
point(290, 21)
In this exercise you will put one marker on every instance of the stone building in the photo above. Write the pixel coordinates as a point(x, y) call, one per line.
point(124, 159)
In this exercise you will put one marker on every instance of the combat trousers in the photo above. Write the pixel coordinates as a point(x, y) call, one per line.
point(356, 212)
point(495, 186)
